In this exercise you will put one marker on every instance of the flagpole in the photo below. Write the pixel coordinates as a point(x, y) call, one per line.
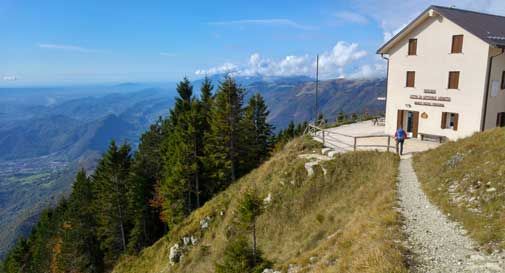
point(317, 90)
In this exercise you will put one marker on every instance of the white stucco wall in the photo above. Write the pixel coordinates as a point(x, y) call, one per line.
point(432, 65)
point(496, 103)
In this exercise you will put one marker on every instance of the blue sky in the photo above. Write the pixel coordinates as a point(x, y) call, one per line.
point(76, 42)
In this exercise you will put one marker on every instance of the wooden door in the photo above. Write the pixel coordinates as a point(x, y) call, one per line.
point(399, 119)
point(415, 124)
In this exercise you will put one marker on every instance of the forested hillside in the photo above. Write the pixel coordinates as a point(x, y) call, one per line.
point(46, 135)
point(132, 199)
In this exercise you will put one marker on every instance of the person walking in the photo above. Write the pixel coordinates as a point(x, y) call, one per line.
point(400, 137)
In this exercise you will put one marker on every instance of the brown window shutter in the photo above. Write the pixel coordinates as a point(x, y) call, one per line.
point(399, 119)
point(444, 120)
point(413, 47)
point(457, 44)
point(503, 80)
point(415, 121)
point(411, 78)
point(456, 119)
point(453, 80)
point(500, 119)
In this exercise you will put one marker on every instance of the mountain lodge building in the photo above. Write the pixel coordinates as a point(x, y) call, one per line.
point(446, 74)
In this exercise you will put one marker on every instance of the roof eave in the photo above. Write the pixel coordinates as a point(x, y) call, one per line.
point(387, 45)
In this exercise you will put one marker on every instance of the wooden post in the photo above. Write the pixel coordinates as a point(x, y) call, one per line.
point(389, 142)
point(355, 140)
point(323, 137)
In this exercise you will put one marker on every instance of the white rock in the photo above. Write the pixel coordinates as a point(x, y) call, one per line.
point(194, 240)
point(491, 190)
point(268, 199)
point(204, 223)
point(269, 270)
point(293, 268)
point(175, 254)
point(325, 150)
point(186, 240)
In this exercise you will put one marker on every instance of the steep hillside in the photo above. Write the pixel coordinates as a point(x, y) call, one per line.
point(341, 219)
point(466, 179)
point(290, 99)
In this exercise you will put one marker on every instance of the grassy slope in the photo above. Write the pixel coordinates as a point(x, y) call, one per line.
point(345, 219)
point(471, 190)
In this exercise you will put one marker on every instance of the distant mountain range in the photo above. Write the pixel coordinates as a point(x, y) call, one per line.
point(46, 134)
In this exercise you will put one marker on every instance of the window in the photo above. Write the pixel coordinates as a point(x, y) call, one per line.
point(412, 47)
point(411, 79)
point(450, 121)
point(503, 80)
point(453, 80)
point(500, 119)
point(457, 44)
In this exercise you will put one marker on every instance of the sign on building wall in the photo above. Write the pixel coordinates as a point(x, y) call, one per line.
point(429, 100)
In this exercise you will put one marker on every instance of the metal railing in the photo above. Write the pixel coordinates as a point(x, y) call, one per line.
point(329, 137)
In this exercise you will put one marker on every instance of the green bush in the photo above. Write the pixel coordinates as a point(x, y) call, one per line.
point(239, 258)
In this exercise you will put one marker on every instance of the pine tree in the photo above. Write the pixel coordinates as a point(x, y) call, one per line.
point(341, 118)
point(203, 188)
point(18, 257)
point(111, 186)
point(251, 207)
point(146, 173)
point(80, 250)
point(258, 137)
point(225, 133)
point(182, 168)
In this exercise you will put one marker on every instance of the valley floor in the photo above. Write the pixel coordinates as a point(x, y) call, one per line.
point(438, 244)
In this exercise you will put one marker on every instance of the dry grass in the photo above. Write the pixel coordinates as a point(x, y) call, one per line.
point(343, 221)
point(466, 179)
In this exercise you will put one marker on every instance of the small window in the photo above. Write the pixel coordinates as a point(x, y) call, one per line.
point(500, 119)
point(453, 80)
point(457, 44)
point(450, 121)
point(411, 79)
point(503, 80)
point(412, 47)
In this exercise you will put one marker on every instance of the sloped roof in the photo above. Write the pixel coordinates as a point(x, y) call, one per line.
point(488, 27)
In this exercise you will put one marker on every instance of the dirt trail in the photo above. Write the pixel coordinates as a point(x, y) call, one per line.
point(437, 243)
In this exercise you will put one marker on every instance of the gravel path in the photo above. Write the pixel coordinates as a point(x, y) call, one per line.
point(437, 244)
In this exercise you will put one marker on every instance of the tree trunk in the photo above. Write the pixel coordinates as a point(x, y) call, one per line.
point(120, 212)
point(254, 242)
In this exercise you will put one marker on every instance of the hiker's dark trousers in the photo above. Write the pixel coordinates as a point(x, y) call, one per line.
point(399, 145)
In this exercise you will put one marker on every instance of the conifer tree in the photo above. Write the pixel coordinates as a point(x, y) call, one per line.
point(181, 147)
point(111, 186)
point(250, 209)
point(80, 250)
point(146, 173)
point(258, 141)
point(203, 190)
point(225, 134)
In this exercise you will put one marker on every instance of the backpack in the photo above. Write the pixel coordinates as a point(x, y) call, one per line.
point(400, 134)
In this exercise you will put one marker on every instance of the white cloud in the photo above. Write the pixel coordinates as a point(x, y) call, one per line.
point(67, 48)
point(368, 71)
point(266, 22)
point(9, 78)
point(393, 15)
point(351, 17)
point(223, 69)
point(332, 63)
point(167, 54)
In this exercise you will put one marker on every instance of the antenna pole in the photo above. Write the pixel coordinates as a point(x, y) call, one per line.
point(317, 89)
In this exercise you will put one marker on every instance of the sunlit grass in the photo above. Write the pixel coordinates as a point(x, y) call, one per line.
point(466, 179)
point(343, 221)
